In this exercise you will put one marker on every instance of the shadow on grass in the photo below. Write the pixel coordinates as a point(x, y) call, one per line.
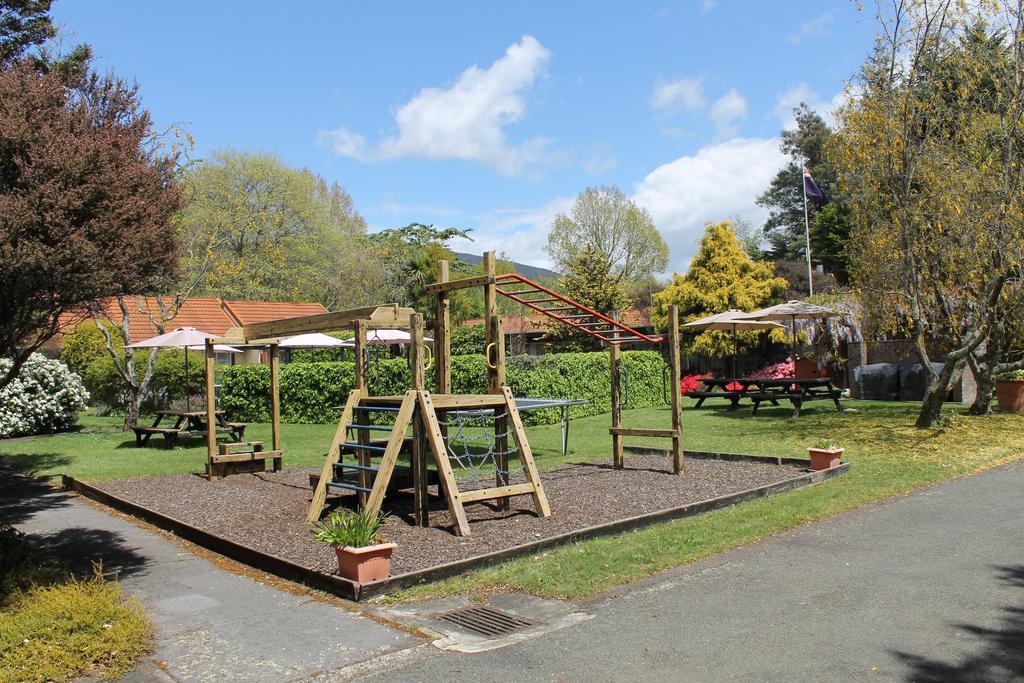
point(1000, 656)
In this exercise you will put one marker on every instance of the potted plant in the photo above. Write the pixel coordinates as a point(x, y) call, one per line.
point(1010, 391)
point(362, 555)
point(825, 454)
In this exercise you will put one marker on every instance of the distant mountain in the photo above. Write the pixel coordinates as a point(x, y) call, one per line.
point(532, 272)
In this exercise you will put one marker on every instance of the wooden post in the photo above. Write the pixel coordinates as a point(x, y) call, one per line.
point(442, 337)
point(495, 335)
point(677, 406)
point(495, 350)
point(211, 412)
point(616, 376)
point(359, 341)
point(275, 404)
point(361, 417)
point(421, 511)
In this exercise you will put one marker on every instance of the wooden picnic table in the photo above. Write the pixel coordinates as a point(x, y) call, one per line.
point(188, 423)
point(758, 390)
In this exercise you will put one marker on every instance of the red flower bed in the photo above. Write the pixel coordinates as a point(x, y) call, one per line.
point(691, 383)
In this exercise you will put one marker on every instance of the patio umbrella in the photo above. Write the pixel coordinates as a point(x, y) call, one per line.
point(313, 340)
point(183, 338)
point(792, 311)
point(730, 320)
point(385, 337)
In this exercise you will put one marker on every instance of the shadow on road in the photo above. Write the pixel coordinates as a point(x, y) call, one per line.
point(1000, 657)
point(22, 496)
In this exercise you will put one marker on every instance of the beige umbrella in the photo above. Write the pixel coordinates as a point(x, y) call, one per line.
point(184, 338)
point(731, 320)
point(792, 311)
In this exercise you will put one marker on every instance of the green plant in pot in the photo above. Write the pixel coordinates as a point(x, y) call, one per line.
point(362, 554)
point(825, 454)
point(1010, 391)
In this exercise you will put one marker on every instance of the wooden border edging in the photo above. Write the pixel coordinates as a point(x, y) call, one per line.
point(272, 564)
point(355, 591)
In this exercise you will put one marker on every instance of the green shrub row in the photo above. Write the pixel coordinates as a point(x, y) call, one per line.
point(311, 392)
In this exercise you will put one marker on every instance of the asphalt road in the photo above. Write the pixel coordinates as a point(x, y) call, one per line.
point(929, 587)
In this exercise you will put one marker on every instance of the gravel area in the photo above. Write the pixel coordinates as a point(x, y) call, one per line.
point(267, 511)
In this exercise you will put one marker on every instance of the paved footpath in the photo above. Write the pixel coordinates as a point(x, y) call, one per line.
point(929, 587)
point(212, 624)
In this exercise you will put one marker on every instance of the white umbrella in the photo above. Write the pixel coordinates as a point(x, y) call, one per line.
point(182, 338)
point(792, 311)
point(313, 340)
point(730, 320)
point(385, 337)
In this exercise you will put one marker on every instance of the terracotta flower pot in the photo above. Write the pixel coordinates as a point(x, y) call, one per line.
point(370, 563)
point(1010, 395)
point(825, 458)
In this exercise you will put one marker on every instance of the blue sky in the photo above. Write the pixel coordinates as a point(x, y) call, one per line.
point(493, 116)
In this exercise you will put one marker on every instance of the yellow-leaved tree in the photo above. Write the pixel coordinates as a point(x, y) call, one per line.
point(721, 276)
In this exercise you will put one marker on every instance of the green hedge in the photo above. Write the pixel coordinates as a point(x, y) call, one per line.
point(310, 392)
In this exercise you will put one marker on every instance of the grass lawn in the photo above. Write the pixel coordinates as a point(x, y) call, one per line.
point(888, 457)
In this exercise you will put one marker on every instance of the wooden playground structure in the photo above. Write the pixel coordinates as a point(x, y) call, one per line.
point(437, 419)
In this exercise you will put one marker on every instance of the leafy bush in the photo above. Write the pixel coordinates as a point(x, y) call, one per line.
point(106, 385)
point(1012, 375)
point(468, 339)
point(45, 397)
point(311, 392)
point(83, 345)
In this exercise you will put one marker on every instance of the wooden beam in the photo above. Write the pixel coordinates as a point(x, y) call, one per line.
point(442, 337)
point(387, 462)
point(211, 408)
point(616, 383)
point(361, 417)
point(421, 511)
point(439, 447)
point(540, 499)
point(389, 315)
point(677, 404)
point(467, 400)
point(495, 492)
point(633, 431)
point(247, 456)
point(463, 283)
point(275, 404)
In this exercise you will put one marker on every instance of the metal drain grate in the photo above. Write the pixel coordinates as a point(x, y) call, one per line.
point(485, 620)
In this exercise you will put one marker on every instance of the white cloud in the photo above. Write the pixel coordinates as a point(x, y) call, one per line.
point(465, 121)
point(680, 94)
point(519, 233)
point(792, 96)
point(718, 182)
point(708, 6)
point(817, 27)
point(726, 113)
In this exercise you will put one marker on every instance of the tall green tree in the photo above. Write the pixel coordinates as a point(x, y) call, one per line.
point(265, 230)
point(619, 234)
point(721, 277)
point(931, 154)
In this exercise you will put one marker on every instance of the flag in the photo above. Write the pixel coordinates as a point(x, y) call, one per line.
point(812, 190)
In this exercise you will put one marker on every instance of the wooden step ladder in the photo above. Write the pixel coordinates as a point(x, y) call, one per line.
point(374, 479)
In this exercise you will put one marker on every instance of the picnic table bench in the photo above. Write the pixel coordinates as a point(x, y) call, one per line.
point(189, 423)
point(758, 390)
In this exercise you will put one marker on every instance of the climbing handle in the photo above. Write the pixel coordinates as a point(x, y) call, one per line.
point(429, 354)
point(487, 356)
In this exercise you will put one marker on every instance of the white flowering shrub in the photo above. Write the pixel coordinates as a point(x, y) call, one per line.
point(45, 397)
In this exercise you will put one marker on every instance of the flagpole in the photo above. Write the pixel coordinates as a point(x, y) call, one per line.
point(807, 230)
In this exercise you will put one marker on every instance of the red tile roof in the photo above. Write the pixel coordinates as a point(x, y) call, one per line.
point(203, 313)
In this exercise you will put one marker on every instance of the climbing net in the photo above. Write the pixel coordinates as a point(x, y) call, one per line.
point(480, 446)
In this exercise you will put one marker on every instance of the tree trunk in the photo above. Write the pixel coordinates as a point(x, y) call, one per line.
point(985, 380)
point(132, 408)
point(938, 390)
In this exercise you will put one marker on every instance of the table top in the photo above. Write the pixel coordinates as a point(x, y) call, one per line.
point(775, 382)
point(186, 413)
